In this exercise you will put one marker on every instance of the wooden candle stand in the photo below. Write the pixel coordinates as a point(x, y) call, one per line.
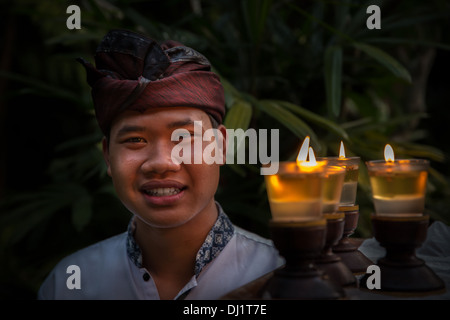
point(330, 262)
point(300, 243)
point(354, 259)
point(401, 270)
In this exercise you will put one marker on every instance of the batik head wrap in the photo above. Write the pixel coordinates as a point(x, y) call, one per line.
point(134, 72)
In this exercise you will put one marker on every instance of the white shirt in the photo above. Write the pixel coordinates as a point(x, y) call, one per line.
point(106, 270)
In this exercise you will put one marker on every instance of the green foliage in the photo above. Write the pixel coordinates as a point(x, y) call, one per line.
point(305, 68)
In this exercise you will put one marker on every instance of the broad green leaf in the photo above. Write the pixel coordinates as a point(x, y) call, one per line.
point(239, 115)
point(231, 93)
point(415, 150)
point(333, 79)
point(326, 26)
point(40, 207)
point(255, 14)
point(385, 59)
point(312, 117)
point(296, 125)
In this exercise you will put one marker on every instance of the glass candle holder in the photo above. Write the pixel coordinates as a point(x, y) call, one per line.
point(398, 187)
point(332, 189)
point(350, 185)
point(295, 192)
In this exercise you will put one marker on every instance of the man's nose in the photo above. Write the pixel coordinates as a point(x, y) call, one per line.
point(159, 159)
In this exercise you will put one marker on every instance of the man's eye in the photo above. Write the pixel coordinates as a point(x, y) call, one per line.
point(185, 136)
point(135, 140)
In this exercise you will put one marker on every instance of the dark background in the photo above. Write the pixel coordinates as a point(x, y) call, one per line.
point(55, 196)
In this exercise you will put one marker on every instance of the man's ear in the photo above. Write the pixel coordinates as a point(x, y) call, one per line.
point(105, 148)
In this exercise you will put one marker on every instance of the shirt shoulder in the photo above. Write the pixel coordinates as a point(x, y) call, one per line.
point(253, 237)
point(246, 257)
point(78, 275)
point(254, 250)
point(96, 251)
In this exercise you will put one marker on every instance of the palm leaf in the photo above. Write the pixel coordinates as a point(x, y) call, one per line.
point(315, 118)
point(333, 79)
point(288, 119)
point(385, 59)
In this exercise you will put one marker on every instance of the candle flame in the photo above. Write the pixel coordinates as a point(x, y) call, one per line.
point(342, 151)
point(312, 157)
point(303, 153)
point(389, 153)
point(306, 159)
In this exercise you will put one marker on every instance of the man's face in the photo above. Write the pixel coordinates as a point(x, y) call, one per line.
point(161, 192)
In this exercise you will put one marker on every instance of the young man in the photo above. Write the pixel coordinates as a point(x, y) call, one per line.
point(150, 100)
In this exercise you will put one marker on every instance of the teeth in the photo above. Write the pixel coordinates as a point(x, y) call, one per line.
point(161, 192)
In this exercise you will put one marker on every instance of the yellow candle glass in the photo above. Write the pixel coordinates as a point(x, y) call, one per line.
point(295, 192)
point(350, 185)
point(398, 187)
point(332, 189)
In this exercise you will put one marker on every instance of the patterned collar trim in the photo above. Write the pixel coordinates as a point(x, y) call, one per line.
point(133, 250)
point(217, 238)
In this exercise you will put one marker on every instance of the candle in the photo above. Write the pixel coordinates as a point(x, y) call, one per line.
point(295, 191)
point(351, 166)
point(332, 189)
point(398, 186)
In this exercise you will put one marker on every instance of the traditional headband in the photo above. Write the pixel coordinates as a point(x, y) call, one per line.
point(134, 72)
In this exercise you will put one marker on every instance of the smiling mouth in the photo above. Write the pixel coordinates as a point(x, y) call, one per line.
point(162, 192)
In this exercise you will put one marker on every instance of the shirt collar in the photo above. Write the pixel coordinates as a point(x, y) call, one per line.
point(217, 238)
